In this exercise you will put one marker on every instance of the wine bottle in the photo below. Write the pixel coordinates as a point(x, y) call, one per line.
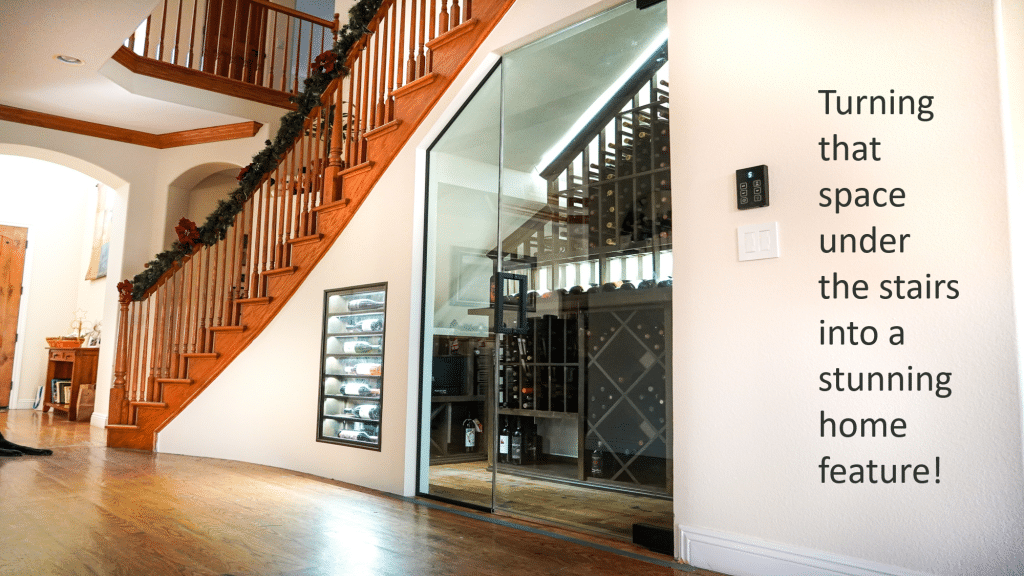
point(357, 435)
point(502, 397)
point(516, 448)
point(503, 444)
point(358, 304)
point(364, 369)
point(470, 434)
point(369, 325)
point(365, 411)
point(597, 462)
point(361, 347)
point(359, 389)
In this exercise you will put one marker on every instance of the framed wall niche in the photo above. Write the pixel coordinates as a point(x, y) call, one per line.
point(352, 366)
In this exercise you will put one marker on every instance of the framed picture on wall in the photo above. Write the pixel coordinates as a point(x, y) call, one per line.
point(101, 233)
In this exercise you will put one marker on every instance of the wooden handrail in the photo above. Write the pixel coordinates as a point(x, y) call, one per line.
point(300, 15)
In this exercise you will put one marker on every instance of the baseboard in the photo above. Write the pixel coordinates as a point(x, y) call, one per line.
point(741, 556)
point(98, 420)
point(25, 405)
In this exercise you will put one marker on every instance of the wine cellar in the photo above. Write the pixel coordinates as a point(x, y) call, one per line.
point(548, 284)
point(586, 365)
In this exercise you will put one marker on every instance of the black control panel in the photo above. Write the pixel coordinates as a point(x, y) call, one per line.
point(752, 187)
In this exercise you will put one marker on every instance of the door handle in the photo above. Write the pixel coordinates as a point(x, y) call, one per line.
point(520, 329)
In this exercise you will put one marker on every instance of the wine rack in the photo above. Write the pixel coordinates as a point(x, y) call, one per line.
point(597, 351)
point(628, 397)
point(540, 371)
point(352, 366)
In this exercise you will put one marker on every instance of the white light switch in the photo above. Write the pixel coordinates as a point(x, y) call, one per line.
point(758, 241)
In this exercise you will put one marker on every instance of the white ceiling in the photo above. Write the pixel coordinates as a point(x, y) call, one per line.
point(33, 31)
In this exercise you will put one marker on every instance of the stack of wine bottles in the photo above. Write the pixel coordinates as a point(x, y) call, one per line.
point(352, 365)
point(518, 441)
point(540, 371)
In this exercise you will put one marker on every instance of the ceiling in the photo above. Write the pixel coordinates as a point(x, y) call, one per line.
point(33, 32)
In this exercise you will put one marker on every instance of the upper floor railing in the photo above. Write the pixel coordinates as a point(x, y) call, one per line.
point(253, 41)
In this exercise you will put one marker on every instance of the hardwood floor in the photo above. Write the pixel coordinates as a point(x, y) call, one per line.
point(585, 508)
point(89, 509)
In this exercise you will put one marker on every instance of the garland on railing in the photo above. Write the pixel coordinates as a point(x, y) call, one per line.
point(222, 218)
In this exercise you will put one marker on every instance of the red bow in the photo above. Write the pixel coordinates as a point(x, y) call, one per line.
point(124, 291)
point(187, 232)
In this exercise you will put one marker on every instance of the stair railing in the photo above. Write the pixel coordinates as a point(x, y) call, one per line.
point(253, 41)
point(394, 54)
point(204, 293)
point(176, 318)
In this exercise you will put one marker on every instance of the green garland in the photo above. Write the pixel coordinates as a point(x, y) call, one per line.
point(223, 217)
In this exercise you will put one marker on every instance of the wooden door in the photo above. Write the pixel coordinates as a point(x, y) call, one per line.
point(234, 39)
point(13, 241)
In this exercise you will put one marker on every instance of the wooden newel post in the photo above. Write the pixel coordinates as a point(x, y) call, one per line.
point(118, 400)
point(332, 178)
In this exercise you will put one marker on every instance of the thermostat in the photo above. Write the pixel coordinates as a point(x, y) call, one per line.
point(752, 187)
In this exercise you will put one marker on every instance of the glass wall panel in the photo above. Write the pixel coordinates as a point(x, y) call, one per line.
point(458, 354)
point(586, 217)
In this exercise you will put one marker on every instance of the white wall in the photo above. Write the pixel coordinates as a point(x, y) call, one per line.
point(50, 201)
point(747, 356)
point(749, 499)
point(142, 180)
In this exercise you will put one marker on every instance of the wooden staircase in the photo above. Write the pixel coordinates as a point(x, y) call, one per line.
point(209, 307)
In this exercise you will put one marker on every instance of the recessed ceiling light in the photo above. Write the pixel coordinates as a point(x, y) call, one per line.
point(70, 60)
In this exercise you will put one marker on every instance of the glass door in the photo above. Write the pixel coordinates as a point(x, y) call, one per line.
point(459, 343)
point(547, 321)
point(586, 217)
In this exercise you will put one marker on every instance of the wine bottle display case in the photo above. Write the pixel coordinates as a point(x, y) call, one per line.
point(352, 366)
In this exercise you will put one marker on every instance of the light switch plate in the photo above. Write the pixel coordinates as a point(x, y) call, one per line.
point(758, 241)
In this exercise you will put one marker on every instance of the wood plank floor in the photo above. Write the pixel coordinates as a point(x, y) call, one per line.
point(585, 508)
point(89, 509)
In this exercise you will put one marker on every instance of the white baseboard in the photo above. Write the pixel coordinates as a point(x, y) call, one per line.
point(25, 404)
point(741, 556)
point(98, 420)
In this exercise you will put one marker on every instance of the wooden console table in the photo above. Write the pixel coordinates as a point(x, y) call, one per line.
point(75, 364)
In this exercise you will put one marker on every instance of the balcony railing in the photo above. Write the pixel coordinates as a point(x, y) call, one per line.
point(252, 41)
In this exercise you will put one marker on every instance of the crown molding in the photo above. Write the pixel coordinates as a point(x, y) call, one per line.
point(161, 141)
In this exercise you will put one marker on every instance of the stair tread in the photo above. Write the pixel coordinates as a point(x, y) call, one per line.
point(305, 239)
point(262, 300)
point(280, 271)
point(142, 403)
point(238, 328)
point(421, 82)
point(122, 427)
point(200, 355)
point(382, 129)
point(174, 380)
point(452, 33)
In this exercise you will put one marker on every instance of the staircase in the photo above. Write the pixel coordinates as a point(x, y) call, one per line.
point(192, 323)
